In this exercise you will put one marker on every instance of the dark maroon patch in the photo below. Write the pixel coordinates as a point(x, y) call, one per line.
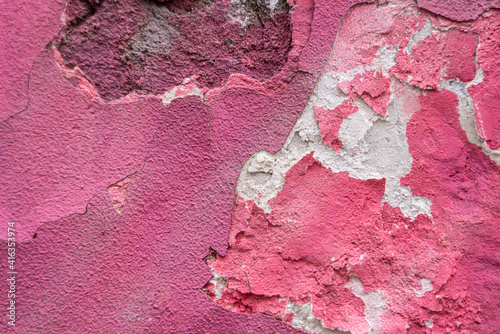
point(146, 46)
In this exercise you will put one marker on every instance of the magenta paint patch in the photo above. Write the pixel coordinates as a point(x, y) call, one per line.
point(64, 136)
point(146, 47)
point(23, 33)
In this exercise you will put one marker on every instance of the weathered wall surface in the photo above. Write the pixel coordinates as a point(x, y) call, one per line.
point(251, 166)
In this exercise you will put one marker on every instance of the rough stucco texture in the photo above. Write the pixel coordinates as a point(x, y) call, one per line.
point(251, 166)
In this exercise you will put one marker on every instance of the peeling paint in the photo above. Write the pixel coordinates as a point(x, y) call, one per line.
point(374, 304)
point(118, 193)
point(338, 162)
point(147, 47)
point(346, 130)
point(426, 287)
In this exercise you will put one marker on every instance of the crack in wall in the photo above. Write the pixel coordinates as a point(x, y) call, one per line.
point(27, 96)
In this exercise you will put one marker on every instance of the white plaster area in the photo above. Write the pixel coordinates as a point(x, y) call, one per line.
point(219, 282)
point(385, 58)
point(426, 287)
point(427, 30)
point(400, 196)
point(186, 88)
point(304, 318)
point(375, 304)
point(374, 147)
point(466, 111)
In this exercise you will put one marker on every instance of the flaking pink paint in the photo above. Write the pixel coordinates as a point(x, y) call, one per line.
point(486, 94)
point(329, 122)
point(284, 256)
point(372, 87)
point(461, 181)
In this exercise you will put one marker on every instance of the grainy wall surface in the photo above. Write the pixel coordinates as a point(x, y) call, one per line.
point(250, 166)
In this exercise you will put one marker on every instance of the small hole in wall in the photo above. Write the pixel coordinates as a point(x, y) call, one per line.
point(34, 236)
